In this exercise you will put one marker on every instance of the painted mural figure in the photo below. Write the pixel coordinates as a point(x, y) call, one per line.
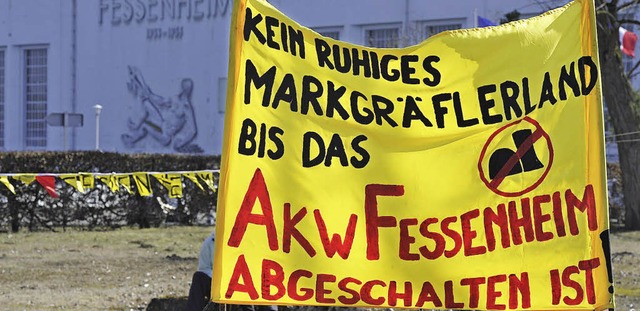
point(169, 120)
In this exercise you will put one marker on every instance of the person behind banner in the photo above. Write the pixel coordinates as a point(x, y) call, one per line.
point(200, 289)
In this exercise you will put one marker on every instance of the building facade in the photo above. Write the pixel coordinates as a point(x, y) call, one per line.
point(158, 68)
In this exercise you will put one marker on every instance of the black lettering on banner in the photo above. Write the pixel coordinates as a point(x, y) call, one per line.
point(547, 91)
point(389, 75)
point(143, 183)
point(364, 118)
point(457, 106)
point(309, 138)
point(407, 70)
point(383, 107)
point(286, 93)
point(568, 78)
point(87, 181)
point(316, 151)
point(427, 65)
point(270, 22)
point(296, 39)
point(510, 92)
point(173, 183)
point(361, 62)
point(252, 77)
point(288, 38)
point(486, 104)
point(438, 109)
point(251, 26)
point(527, 97)
point(310, 97)
point(413, 112)
point(253, 140)
point(587, 61)
point(275, 134)
point(333, 101)
point(375, 65)
point(323, 51)
point(355, 145)
point(335, 149)
point(342, 65)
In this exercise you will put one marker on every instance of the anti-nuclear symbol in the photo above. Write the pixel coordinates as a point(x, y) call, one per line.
point(516, 158)
point(528, 162)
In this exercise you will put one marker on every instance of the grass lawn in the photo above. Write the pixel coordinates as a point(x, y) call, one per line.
point(124, 269)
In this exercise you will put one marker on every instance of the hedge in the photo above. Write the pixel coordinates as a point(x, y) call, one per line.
point(32, 207)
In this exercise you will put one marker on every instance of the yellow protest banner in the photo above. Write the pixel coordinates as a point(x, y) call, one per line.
point(172, 182)
point(5, 181)
point(110, 180)
point(193, 176)
point(74, 180)
point(124, 180)
point(143, 184)
point(465, 172)
point(208, 179)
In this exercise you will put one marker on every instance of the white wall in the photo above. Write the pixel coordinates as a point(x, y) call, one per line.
point(19, 31)
point(165, 45)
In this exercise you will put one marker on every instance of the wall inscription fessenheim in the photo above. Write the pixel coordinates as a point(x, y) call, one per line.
point(157, 13)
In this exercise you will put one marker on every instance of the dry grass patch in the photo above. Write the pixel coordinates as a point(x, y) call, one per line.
point(126, 268)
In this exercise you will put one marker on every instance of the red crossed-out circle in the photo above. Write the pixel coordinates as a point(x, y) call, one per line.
point(515, 158)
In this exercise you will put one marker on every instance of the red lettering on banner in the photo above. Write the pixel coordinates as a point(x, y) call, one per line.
point(437, 239)
point(587, 266)
point(365, 293)
point(519, 285)
point(474, 290)
point(321, 290)
point(372, 220)
point(335, 245)
point(352, 291)
point(289, 230)
point(561, 280)
point(257, 190)
point(557, 214)
point(540, 218)
point(502, 221)
point(524, 221)
point(449, 297)
point(394, 295)
point(556, 287)
point(428, 294)
point(343, 286)
point(292, 286)
point(457, 238)
point(492, 294)
point(272, 276)
point(567, 281)
point(588, 204)
point(241, 270)
point(469, 234)
point(404, 250)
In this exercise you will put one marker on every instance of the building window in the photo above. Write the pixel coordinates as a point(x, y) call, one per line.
point(434, 29)
point(329, 32)
point(35, 96)
point(388, 37)
point(2, 82)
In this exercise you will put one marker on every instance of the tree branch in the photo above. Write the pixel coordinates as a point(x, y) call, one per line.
point(627, 4)
point(628, 21)
point(631, 73)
